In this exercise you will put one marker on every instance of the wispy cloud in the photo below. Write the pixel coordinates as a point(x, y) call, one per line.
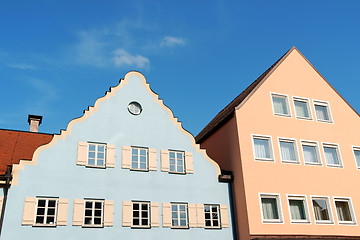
point(22, 66)
point(122, 57)
point(170, 41)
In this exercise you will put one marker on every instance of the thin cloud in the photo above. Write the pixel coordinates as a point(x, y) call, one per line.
point(22, 66)
point(121, 58)
point(169, 41)
point(90, 49)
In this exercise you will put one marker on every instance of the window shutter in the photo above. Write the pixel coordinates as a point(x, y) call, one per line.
point(224, 216)
point(127, 214)
point(110, 155)
point(200, 215)
point(155, 222)
point(62, 211)
point(109, 213)
point(82, 153)
point(29, 211)
point(78, 214)
point(165, 165)
point(166, 214)
point(152, 159)
point(126, 157)
point(189, 162)
point(192, 215)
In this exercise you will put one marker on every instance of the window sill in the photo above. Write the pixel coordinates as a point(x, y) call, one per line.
point(334, 166)
point(304, 118)
point(313, 164)
point(93, 226)
point(291, 162)
point(276, 221)
point(94, 166)
point(282, 115)
point(265, 159)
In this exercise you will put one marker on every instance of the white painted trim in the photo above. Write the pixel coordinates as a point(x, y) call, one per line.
point(87, 154)
point(278, 202)
point(46, 210)
point(311, 143)
point(307, 101)
point(337, 148)
point(351, 209)
point(186, 212)
point(140, 218)
point(147, 159)
point(102, 201)
point(287, 104)
point(296, 149)
point(306, 208)
point(325, 104)
point(271, 147)
point(327, 222)
point(355, 148)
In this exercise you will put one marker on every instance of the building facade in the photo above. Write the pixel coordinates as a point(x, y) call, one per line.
point(125, 169)
point(292, 143)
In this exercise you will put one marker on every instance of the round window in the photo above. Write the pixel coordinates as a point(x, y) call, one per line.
point(134, 108)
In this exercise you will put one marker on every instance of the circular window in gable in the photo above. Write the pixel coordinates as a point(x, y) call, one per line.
point(134, 108)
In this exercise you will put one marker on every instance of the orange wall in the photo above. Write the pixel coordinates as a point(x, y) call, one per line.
point(295, 77)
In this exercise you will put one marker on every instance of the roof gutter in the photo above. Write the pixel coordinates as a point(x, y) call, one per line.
point(6, 179)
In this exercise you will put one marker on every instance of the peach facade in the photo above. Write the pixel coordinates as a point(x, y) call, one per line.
point(232, 146)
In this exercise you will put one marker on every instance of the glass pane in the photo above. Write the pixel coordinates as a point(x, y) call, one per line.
point(172, 168)
point(92, 147)
point(310, 154)
point(321, 112)
point(40, 219)
point(208, 223)
point(343, 211)
point(101, 148)
point(91, 161)
point(50, 220)
point(171, 154)
point(174, 207)
point(98, 213)
point(180, 169)
point(144, 222)
point(261, 148)
point(269, 208)
point(51, 211)
point(136, 222)
point(40, 211)
point(182, 215)
point(144, 214)
point(88, 212)
point(51, 203)
point(91, 154)
point(215, 223)
point(100, 155)
point(301, 109)
point(179, 156)
point(280, 106)
point(174, 215)
point(142, 165)
point(136, 214)
point(207, 216)
point(87, 221)
point(207, 208)
point(100, 163)
point(183, 223)
point(97, 221)
point(142, 152)
point(88, 204)
point(98, 205)
point(134, 151)
point(143, 159)
point(287, 151)
point(144, 206)
point(41, 203)
point(175, 222)
point(182, 207)
point(135, 206)
point(134, 165)
point(321, 209)
point(297, 209)
point(331, 156)
point(357, 157)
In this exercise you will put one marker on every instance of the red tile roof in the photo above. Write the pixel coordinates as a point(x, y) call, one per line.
point(17, 145)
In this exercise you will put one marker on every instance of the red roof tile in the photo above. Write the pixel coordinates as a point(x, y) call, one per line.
point(17, 145)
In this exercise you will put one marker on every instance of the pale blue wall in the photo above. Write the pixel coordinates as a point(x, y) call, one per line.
point(56, 174)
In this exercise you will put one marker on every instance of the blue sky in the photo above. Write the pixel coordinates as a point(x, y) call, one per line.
point(58, 57)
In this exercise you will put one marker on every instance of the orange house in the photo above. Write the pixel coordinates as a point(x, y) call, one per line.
point(293, 145)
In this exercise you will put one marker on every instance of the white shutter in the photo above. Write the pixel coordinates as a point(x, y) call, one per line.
point(192, 215)
point(126, 157)
point(78, 214)
point(109, 213)
point(200, 215)
point(127, 214)
point(189, 162)
point(62, 212)
point(152, 159)
point(224, 216)
point(82, 154)
point(110, 155)
point(166, 214)
point(165, 164)
point(29, 211)
point(155, 222)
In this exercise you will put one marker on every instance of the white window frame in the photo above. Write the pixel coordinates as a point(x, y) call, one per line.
point(211, 216)
point(138, 158)
point(176, 165)
point(324, 104)
point(96, 151)
point(356, 148)
point(338, 153)
point(46, 211)
point(307, 101)
point(331, 218)
point(178, 214)
point(140, 214)
point(314, 144)
point(286, 97)
point(306, 208)
point(276, 196)
point(271, 148)
point(296, 150)
point(93, 202)
point(351, 210)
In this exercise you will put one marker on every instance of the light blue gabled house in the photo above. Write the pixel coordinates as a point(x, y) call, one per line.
point(126, 169)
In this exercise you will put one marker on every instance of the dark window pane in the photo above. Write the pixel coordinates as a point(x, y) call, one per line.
point(207, 215)
point(98, 213)
point(144, 207)
point(144, 214)
point(88, 213)
point(87, 221)
point(215, 223)
point(98, 205)
point(41, 203)
point(144, 222)
point(39, 219)
point(136, 222)
point(52, 203)
point(208, 223)
point(136, 214)
point(50, 220)
point(97, 221)
point(40, 211)
point(51, 211)
point(136, 206)
point(88, 204)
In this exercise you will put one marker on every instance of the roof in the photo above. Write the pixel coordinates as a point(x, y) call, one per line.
point(19, 145)
point(224, 115)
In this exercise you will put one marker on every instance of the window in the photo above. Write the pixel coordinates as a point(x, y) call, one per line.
point(141, 214)
point(263, 148)
point(177, 163)
point(302, 109)
point(322, 111)
point(322, 212)
point(96, 155)
point(311, 153)
point(270, 205)
point(357, 156)
point(179, 214)
point(212, 216)
point(332, 155)
point(280, 105)
point(46, 211)
point(298, 209)
point(139, 158)
point(93, 216)
point(344, 211)
point(288, 150)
